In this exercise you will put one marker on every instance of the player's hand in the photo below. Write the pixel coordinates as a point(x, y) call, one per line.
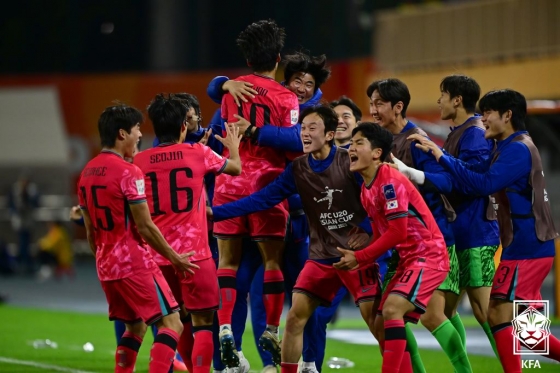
point(358, 238)
point(239, 90)
point(426, 145)
point(232, 139)
point(347, 261)
point(241, 123)
point(209, 212)
point(75, 213)
point(204, 139)
point(183, 264)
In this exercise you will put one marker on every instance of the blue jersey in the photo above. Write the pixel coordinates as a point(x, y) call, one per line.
point(510, 171)
point(438, 182)
point(471, 228)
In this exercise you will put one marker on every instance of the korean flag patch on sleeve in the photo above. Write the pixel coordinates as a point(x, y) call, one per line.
point(391, 205)
point(294, 115)
point(389, 192)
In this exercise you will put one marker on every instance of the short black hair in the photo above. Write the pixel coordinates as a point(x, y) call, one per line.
point(114, 118)
point(167, 113)
point(464, 86)
point(503, 100)
point(261, 43)
point(313, 65)
point(327, 114)
point(346, 101)
point(378, 136)
point(190, 100)
point(392, 90)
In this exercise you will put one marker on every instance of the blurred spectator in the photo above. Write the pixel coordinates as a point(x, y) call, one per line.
point(24, 199)
point(7, 261)
point(55, 253)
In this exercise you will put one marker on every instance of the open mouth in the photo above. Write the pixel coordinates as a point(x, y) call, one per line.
point(341, 128)
point(306, 142)
point(353, 159)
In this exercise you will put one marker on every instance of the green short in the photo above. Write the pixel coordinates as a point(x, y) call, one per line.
point(451, 282)
point(391, 269)
point(476, 266)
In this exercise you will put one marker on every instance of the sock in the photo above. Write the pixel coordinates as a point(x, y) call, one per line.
point(406, 364)
point(273, 296)
point(504, 344)
point(289, 367)
point(203, 349)
point(228, 293)
point(412, 348)
point(450, 342)
point(186, 343)
point(163, 350)
point(395, 344)
point(127, 351)
point(553, 348)
point(272, 328)
point(488, 331)
point(458, 325)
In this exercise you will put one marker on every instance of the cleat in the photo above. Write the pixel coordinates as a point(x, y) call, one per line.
point(270, 342)
point(229, 353)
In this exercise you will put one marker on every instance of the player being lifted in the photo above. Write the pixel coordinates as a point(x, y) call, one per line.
point(117, 221)
point(329, 227)
point(261, 43)
point(401, 219)
point(174, 175)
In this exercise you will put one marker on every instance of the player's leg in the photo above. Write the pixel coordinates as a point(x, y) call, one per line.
point(476, 275)
point(324, 315)
point(230, 256)
point(292, 345)
point(316, 284)
point(201, 295)
point(258, 313)
point(394, 346)
point(268, 229)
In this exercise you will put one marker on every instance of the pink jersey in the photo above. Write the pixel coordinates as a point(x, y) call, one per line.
point(273, 105)
point(392, 196)
point(108, 184)
point(174, 175)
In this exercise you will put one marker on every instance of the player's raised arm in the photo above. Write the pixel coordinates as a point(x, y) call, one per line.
point(150, 232)
point(231, 141)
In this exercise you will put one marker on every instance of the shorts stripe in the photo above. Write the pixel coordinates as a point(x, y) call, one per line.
point(511, 291)
point(416, 287)
point(162, 305)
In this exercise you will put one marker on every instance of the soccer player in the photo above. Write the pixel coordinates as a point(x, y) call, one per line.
point(401, 219)
point(174, 174)
point(261, 43)
point(476, 236)
point(515, 176)
point(303, 75)
point(349, 116)
point(324, 169)
point(389, 101)
point(117, 221)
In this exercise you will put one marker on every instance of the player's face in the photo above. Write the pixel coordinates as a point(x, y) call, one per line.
point(360, 153)
point(313, 134)
point(303, 85)
point(192, 120)
point(346, 123)
point(496, 125)
point(131, 141)
point(446, 106)
point(381, 110)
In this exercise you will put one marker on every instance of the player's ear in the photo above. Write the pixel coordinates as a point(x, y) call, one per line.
point(278, 58)
point(398, 107)
point(121, 135)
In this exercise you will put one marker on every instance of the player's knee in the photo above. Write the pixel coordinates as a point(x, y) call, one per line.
point(173, 322)
point(138, 329)
point(431, 320)
point(203, 318)
point(295, 322)
point(392, 312)
point(480, 314)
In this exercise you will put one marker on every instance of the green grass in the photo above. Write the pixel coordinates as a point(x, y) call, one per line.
point(20, 326)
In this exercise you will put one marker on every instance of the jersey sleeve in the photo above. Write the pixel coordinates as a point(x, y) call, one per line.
point(133, 186)
point(81, 197)
point(291, 116)
point(394, 197)
point(229, 108)
point(213, 162)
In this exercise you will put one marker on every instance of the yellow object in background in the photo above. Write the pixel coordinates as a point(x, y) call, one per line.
point(58, 243)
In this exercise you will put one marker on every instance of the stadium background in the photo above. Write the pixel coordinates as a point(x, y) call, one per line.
point(63, 61)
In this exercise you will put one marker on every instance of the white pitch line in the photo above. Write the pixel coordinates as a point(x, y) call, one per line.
point(34, 364)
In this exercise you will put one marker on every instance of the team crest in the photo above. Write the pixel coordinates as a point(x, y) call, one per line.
point(389, 192)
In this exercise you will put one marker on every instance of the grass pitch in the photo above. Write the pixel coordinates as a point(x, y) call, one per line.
point(70, 330)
